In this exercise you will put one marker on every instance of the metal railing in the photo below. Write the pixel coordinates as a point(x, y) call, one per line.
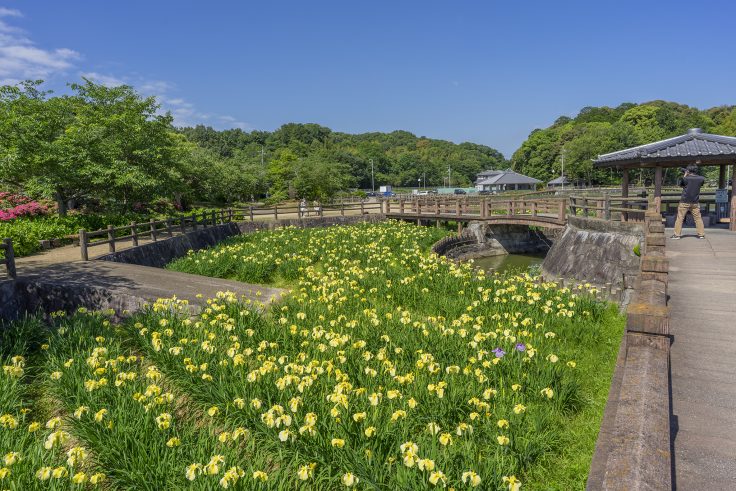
point(9, 260)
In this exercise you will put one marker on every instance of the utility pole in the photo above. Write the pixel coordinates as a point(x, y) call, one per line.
point(449, 176)
point(563, 168)
point(373, 182)
point(424, 178)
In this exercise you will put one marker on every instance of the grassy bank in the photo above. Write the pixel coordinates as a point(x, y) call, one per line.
point(384, 368)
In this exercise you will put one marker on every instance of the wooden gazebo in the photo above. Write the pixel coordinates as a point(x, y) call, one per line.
point(694, 147)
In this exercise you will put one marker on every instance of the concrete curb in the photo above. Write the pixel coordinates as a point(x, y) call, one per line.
point(633, 451)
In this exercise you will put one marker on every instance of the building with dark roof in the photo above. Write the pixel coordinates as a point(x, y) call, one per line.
point(495, 181)
point(558, 182)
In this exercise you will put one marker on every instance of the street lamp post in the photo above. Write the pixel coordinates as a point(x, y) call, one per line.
point(419, 184)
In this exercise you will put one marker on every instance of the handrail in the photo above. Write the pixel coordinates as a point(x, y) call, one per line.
point(9, 259)
point(187, 223)
point(484, 208)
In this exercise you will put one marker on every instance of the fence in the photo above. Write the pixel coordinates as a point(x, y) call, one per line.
point(9, 260)
point(157, 229)
point(610, 208)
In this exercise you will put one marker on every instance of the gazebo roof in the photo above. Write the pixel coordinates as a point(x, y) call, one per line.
point(507, 176)
point(688, 148)
point(559, 180)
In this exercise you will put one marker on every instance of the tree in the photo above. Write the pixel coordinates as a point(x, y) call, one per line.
point(106, 144)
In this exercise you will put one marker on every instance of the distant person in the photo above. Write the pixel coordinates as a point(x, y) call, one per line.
point(304, 208)
point(316, 207)
point(691, 183)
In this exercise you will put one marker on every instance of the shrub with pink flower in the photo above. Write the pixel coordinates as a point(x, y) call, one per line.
point(14, 206)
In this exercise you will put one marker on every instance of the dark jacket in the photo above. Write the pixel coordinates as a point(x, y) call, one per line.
point(691, 188)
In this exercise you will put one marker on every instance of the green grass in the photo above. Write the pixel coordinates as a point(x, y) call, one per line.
point(376, 333)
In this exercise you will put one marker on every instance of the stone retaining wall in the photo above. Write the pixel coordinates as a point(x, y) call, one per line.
point(598, 252)
point(158, 254)
point(633, 450)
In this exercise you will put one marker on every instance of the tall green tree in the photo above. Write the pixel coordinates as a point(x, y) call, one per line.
point(106, 144)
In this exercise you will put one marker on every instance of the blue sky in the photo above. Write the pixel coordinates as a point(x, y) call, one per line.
point(482, 71)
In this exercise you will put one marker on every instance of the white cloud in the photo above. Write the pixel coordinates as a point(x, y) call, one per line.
point(106, 80)
point(21, 59)
point(6, 12)
point(183, 111)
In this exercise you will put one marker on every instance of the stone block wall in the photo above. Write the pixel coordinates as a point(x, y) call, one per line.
point(633, 450)
point(596, 251)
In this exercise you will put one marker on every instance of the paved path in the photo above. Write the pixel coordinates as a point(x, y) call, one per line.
point(62, 266)
point(702, 289)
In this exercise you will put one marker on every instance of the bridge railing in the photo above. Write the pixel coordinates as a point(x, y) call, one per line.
point(479, 208)
point(9, 257)
point(609, 208)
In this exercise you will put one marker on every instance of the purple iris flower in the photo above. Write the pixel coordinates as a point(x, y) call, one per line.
point(499, 352)
point(520, 347)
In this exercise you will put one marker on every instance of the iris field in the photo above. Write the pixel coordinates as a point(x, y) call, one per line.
point(383, 367)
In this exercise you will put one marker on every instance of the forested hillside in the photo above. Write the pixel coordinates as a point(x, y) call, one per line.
point(111, 149)
point(309, 156)
point(598, 130)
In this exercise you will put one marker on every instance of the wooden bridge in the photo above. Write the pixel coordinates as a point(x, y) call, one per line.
point(549, 212)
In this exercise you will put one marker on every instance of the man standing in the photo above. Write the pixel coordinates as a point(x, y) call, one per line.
point(691, 183)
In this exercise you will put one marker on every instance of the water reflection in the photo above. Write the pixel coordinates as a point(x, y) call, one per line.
point(510, 262)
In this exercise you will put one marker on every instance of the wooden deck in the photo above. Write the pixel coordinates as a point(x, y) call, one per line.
point(703, 360)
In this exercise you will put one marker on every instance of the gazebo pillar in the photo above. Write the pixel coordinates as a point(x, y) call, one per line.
point(658, 188)
point(732, 225)
point(722, 177)
point(625, 193)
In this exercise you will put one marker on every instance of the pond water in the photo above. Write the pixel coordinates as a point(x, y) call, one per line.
point(510, 262)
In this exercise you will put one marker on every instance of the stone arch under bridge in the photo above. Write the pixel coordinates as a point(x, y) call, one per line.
point(493, 238)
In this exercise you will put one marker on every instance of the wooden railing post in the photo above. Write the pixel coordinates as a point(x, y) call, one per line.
point(83, 244)
point(183, 224)
point(401, 206)
point(607, 207)
point(561, 211)
point(276, 212)
point(534, 208)
point(362, 208)
point(585, 207)
point(230, 215)
point(388, 206)
point(214, 218)
point(483, 208)
point(419, 206)
point(457, 207)
point(152, 226)
point(169, 227)
point(134, 233)
point(250, 210)
point(9, 258)
point(321, 209)
point(111, 237)
point(342, 208)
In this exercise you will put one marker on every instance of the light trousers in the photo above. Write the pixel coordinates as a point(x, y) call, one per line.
point(682, 210)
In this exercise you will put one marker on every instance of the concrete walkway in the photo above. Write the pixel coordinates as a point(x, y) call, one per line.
point(62, 267)
point(702, 289)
